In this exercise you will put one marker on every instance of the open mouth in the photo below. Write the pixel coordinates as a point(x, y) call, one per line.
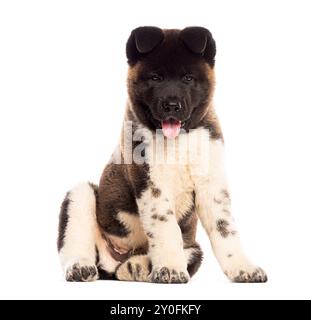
point(171, 127)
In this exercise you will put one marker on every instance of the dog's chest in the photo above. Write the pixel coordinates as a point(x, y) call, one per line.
point(175, 167)
point(175, 185)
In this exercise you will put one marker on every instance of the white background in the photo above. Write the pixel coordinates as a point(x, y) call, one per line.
point(62, 98)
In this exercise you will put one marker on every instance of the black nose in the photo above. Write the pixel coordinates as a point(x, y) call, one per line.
point(171, 106)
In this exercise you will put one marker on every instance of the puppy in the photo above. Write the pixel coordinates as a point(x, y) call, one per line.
point(167, 172)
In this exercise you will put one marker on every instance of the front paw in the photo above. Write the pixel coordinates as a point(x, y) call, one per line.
point(249, 274)
point(169, 275)
point(80, 272)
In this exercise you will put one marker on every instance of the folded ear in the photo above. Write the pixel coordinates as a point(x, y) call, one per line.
point(200, 41)
point(142, 41)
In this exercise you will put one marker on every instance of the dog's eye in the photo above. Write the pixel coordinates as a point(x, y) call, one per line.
point(156, 77)
point(188, 78)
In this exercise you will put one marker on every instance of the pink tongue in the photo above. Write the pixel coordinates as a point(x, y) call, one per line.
point(171, 128)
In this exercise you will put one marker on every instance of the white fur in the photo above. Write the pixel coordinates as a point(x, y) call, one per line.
point(172, 164)
point(191, 163)
point(106, 261)
point(82, 234)
point(167, 238)
point(197, 165)
point(212, 205)
point(79, 242)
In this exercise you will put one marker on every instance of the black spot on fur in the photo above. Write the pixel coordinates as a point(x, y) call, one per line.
point(158, 217)
point(156, 192)
point(63, 221)
point(229, 255)
point(222, 227)
point(170, 212)
point(195, 260)
point(150, 235)
point(162, 218)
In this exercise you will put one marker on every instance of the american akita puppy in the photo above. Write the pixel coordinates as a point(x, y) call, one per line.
point(140, 223)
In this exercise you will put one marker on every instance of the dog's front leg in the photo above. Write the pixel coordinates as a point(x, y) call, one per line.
point(213, 207)
point(169, 264)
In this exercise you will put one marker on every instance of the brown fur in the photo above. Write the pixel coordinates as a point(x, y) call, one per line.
point(188, 227)
point(211, 122)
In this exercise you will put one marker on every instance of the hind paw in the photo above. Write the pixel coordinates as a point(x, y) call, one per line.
point(136, 268)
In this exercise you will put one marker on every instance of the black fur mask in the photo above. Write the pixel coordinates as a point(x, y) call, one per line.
point(171, 76)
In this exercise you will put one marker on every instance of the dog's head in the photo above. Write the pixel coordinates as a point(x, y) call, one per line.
point(171, 77)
